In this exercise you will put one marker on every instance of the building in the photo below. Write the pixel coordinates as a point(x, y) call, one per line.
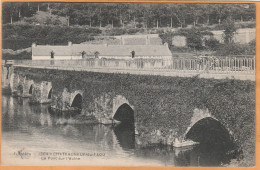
point(81, 51)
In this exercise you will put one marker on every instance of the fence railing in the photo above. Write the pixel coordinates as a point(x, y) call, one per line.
point(207, 65)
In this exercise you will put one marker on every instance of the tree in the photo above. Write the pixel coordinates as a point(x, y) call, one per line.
point(229, 30)
point(180, 13)
point(157, 13)
point(207, 12)
point(220, 12)
point(134, 12)
point(122, 10)
point(90, 13)
point(11, 12)
point(195, 12)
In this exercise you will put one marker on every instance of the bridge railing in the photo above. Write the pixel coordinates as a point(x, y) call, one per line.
point(208, 65)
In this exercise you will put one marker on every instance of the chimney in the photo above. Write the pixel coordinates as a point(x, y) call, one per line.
point(69, 43)
point(34, 45)
point(122, 40)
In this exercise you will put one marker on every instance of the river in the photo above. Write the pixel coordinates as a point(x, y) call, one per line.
point(33, 135)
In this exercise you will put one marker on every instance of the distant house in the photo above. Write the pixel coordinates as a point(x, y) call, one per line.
point(81, 51)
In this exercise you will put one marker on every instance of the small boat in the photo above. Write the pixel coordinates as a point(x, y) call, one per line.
point(184, 143)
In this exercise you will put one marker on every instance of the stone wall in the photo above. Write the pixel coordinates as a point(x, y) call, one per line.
point(165, 108)
point(179, 41)
point(242, 36)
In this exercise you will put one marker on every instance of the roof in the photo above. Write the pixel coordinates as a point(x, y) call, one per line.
point(104, 50)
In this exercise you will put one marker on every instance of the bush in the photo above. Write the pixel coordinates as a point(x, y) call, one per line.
point(236, 49)
point(22, 36)
point(21, 56)
point(115, 31)
point(132, 31)
point(194, 37)
point(212, 44)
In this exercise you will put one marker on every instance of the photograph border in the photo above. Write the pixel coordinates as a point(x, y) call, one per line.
point(257, 88)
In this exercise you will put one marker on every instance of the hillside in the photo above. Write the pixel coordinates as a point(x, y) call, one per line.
point(45, 18)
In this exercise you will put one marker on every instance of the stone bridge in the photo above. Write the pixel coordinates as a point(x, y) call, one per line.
point(166, 110)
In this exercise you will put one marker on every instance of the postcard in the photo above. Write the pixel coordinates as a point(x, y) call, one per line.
point(128, 84)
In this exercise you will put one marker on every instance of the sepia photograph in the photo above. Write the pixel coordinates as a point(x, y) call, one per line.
point(128, 84)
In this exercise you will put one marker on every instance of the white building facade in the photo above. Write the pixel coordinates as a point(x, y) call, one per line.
point(81, 51)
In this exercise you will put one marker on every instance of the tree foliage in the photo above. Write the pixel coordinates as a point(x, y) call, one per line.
point(194, 37)
point(123, 14)
point(22, 36)
point(229, 30)
point(236, 49)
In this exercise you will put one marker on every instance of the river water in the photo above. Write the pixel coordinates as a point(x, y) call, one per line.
point(32, 135)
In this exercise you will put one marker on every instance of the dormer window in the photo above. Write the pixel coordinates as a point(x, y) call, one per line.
point(96, 54)
point(83, 54)
point(52, 54)
point(133, 53)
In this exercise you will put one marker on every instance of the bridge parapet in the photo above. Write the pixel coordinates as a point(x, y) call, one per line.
point(206, 67)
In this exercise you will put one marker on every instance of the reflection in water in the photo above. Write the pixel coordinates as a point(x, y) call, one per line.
point(125, 134)
point(20, 100)
point(38, 128)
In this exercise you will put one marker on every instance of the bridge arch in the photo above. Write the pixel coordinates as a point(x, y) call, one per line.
point(31, 88)
point(124, 114)
point(118, 101)
point(76, 99)
point(211, 132)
